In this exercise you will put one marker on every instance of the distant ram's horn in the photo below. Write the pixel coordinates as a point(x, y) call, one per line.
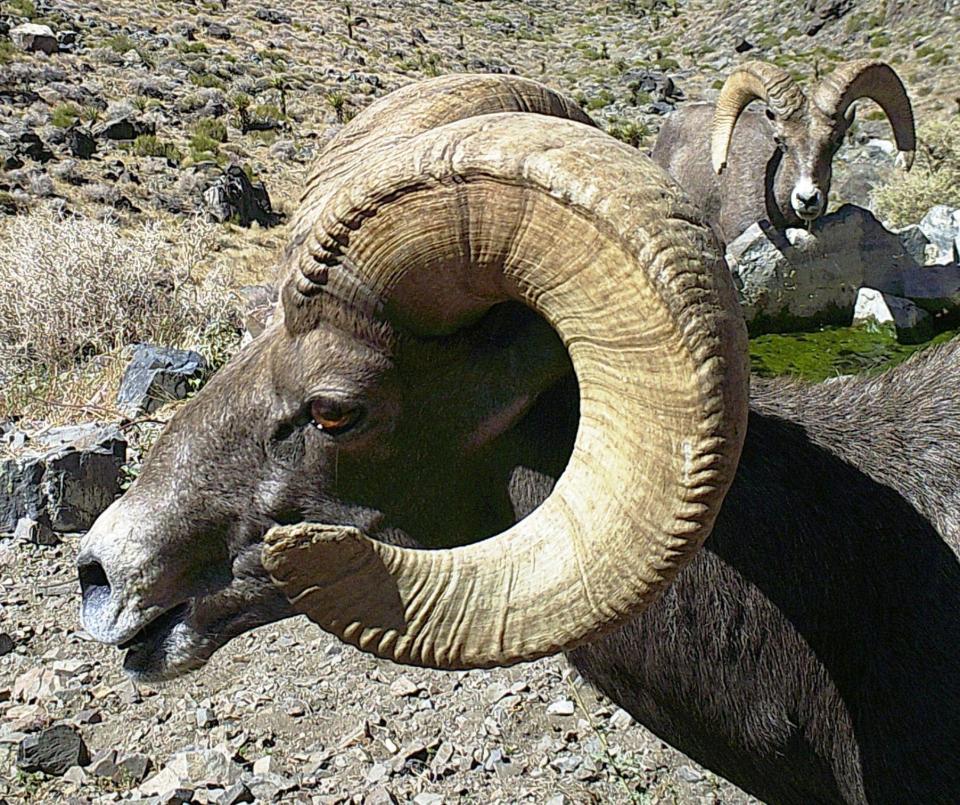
point(752, 80)
point(594, 237)
point(876, 80)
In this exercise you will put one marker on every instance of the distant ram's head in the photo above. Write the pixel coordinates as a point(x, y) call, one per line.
point(809, 131)
point(454, 259)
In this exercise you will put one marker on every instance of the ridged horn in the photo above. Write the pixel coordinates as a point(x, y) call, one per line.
point(752, 80)
point(404, 113)
point(876, 80)
point(601, 243)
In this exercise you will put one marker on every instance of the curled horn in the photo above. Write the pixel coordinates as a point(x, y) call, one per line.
point(752, 80)
point(563, 218)
point(876, 80)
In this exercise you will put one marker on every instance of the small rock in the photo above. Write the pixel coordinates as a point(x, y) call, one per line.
point(123, 128)
point(621, 719)
point(235, 794)
point(35, 38)
point(216, 30)
point(688, 774)
point(273, 16)
point(6, 644)
point(134, 766)
point(427, 798)
point(379, 795)
point(52, 751)
point(265, 765)
point(562, 707)
point(75, 775)
point(742, 45)
point(206, 718)
point(941, 225)
point(37, 684)
point(37, 532)
point(377, 773)
point(403, 686)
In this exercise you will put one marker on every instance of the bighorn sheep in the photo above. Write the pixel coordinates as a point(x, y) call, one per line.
point(740, 167)
point(493, 310)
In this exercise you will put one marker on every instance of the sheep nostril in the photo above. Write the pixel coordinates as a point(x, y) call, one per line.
point(94, 584)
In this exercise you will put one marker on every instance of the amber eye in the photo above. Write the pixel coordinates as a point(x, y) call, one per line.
point(333, 419)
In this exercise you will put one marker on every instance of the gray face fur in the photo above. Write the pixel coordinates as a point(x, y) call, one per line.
point(172, 570)
point(807, 148)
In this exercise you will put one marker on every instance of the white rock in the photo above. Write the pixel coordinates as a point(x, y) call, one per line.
point(562, 707)
point(815, 275)
point(941, 225)
point(33, 37)
point(876, 307)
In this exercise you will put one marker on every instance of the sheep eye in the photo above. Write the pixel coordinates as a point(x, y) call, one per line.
point(333, 419)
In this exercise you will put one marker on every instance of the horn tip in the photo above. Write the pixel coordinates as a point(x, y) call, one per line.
point(905, 160)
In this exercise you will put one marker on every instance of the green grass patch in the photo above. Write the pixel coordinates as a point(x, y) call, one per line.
point(831, 352)
point(65, 115)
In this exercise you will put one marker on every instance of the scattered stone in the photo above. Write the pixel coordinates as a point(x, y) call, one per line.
point(35, 38)
point(427, 798)
point(910, 323)
point(379, 795)
point(52, 751)
point(621, 719)
point(157, 375)
point(742, 45)
point(6, 644)
point(37, 684)
point(76, 775)
point(273, 16)
point(133, 766)
point(123, 128)
point(235, 794)
point(233, 197)
point(403, 686)
point(265, 765)
point(206, 718)
point(37, 532)
point(688, 774)
point(562, 707)
point(216, 30)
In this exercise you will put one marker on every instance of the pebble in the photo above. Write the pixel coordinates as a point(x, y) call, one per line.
point(562, 707)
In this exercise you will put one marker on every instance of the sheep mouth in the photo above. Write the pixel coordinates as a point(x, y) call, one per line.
point(155, 632)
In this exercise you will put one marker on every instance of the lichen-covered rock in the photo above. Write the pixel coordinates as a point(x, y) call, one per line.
point(232, 196)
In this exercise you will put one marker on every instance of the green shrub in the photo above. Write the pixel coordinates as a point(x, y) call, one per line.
point(120, 43)
point(22, 8)
point(211, 128)
point(65, 115)
point(935, 178)
point(149, 145)
point(207, 80)
point(630, 132)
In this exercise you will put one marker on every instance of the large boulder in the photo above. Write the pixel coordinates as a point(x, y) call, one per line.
point(35, 38)
point(63, 478)
point(800, 276)
point(52, 751)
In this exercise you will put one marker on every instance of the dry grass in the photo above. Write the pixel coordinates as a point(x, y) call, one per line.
point(75, 292)
point(935, 178)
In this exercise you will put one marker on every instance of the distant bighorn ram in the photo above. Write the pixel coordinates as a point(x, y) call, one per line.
point(498, 320)
point(740, 167)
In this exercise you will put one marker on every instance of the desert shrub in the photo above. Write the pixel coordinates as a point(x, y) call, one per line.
point(65, 115)
point(73, 290)
point(149, 145)
point(935, 178)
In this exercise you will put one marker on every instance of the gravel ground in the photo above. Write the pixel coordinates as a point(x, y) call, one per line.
point(296, 716)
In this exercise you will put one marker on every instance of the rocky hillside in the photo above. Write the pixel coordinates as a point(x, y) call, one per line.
point(140, 115)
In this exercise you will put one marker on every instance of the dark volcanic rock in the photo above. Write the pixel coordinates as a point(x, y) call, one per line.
point(233, 196)
point(273, 16)
point(65, 480)
point(157, 375)
point(124, 128)
point(52, 751)
point(80, 142)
